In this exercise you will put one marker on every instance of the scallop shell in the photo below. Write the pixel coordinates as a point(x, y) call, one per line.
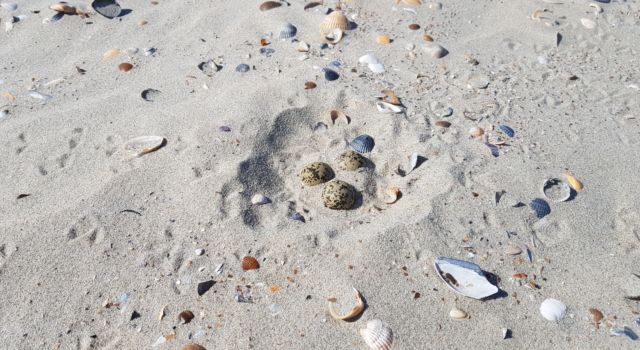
point(142, 145)
point(288, 31)
point(540, 207)
point(363, 144)
point(335, 19)
point(268, 5)
point(458, 314)
point(556, 190)
point(316, 173)
point(107, 8)
point(260, 199)
point(193, 347)
point(63, 8)
point(378, 335)
point(249, 263)
point(356, 310)
point(338, 195)
point(351, 161)
point(435, 50)
point(464, 278)
point(552, 309)
point(476, 131)
point(574, 182)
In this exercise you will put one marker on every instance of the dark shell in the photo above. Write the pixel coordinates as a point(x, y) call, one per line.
point(268, 5)
point(494, 149)
point(338, 195)
point(242, 68)
point(297, 217)
point(363, 144)
point(316, 173)
point(150, 94)
point(330, 74)
point(267, 51)
point(351, 161)
point(107, 8)
point(540, 207)
point(204, 287)
point(288, 31)
point(507, 130)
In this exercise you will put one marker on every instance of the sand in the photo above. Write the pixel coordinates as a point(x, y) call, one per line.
point(102, 235)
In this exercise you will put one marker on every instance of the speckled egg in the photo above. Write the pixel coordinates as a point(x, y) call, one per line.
point(316, 173)
point(338, 195)
point(351, 161)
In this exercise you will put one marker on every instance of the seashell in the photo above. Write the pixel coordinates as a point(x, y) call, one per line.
point(249, 263)
point(40, 96)
point(142, 145)
point(338, 114)
point(62, 7)
point(356, 310)
point(209, 67)
point(414, 26)
point(268, 5)
point(392, 195)
point(309, 85)
point(464, 278)
point(186, 316)
point(597, 9)
point(493, 148)
point(303, 47)
point(330, 75)
point(108, 8)
point(150, 94)
point(351, 161)
point(413, 162)
point(224, 129)
point(368, 59)
point(204, 286)
point(362, 144)
point(142, 23)
point(264, 42)
point(297, 217)
point(287, 31)
point(378, 335)
point(9, 6)
point(386, 107)
point(587, 23)
point(409, 2)
point(596, 316)
point(478, 82)
point(512, 249)
point(312, 5)
point(376, 68)
point(111, 53)
point(540, 207)
point(552, 309)
point(442, 123)
point(458, 314)
point(435, 50)
point(556, 190)
point(193, 347)
point(383, 39)
point(476, 131)
point(335, 19)
point(334, 36)
point(338, 195)
point(125, 67)
point(316, 173)
point(242, 68)
point(3, 114)
point(148, 51)
point(320, 126)
point(391, 97)
point(55, 18)
point(507, 130)
point(624, 331)
point(260, 199)
point(573, 182)
point(426, 37)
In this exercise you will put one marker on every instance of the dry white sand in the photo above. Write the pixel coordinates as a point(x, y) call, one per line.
point(69, 251)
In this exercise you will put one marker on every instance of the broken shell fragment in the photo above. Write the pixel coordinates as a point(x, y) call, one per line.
point(186, 316)
point(556, 190)
point(335, 115)
point(350, 161)
point(458, 314)
point(507, 130)
point(142, 145)
point(209, 67)
point(392, 195)
point(363, 144)
point(574, 182)
point(464, 278)
point(316, 173)
point(596, 316)
point(63, 7)
point(426, 37)
point(334, 20)
point(378, 335)
point(303, 47)
point(435, 50)
point(338, 195)
point(259, 199)
point(334, 36)
point(552, 309)
point(249, 263)
point(386, 107)
point(308, 85)
point(353, 313)
point(512, 249)
point(150, 94)
point(268, 5)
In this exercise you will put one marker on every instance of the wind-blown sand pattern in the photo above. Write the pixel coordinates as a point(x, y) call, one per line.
point(102, 248)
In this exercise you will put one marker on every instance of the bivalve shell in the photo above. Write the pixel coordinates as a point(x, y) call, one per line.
point(476, 131)
point(351, 161)
point(556, 190)
point(378, 335)
point(540, 207)
point(108, 8)
point(574, 182)
point(63, 8)
point(464, 277)
point(553, 309)
point(335, 19)
point(142, 145)
point(268, 5)
point(260, 199)
point(588, 23)
point(288, 31)
point(435, 50)
point(193, 347)
point(338, 195)
point(356, 310)
point(363, 144)
point(249, 263)
point(316, 173)
point(458, 314)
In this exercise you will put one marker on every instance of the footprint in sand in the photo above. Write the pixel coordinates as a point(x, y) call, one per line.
point(86, 228)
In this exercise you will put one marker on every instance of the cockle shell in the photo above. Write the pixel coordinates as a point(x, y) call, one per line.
point(142, 145)
point(316, 173)
point(351, 161)
point(353, 313)
point(260, 199)
point(338, 195)
point(335, 19)
point(378, 335)
point(458, 314)
point(556, 190)
point(363, 144)
point(63, 8)
point(540, 207)
point(464, 277)
point(287, 31)
point(552, 309)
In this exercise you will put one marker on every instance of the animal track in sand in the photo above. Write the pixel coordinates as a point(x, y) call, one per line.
point(86, 228)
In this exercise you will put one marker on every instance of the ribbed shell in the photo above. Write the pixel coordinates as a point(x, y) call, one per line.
point(540, 207)
point(507, 130)
point(288, 31)
point(363, 144)
point(335, 19)
point(377, 335)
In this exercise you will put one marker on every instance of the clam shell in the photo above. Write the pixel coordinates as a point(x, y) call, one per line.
point(335, 19)
point(464, 278)
point(287, 31)
point(107, 8)
point(458, 314)
point(351, 161)
point(330, 74)
point(268, 5)
point(125, 67)
point(356, 310)
point(553, 309)
point(316, 173)
point(63, 8)
point(376, 68)
point(309, 85)
point(142, 145)
point(414, 26)
point(574, 182)
point(150, 94)
point(476, 131)
point(442, 123)
point(368, 59)
point(378, 335)
point(386, 107)
point(495, 151)
point(556, 190)
point(507, 130)
point(249, 263)
point(426, 37)
point(338, 195)
point(435, 50)
point(260, 199)
point(540, 207)
point(363, 144)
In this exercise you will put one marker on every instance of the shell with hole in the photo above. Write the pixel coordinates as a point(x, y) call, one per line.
point(334, 20)
point(378, 335)
point(464, 278)
point(355, 311)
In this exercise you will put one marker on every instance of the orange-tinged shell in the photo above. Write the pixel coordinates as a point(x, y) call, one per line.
point(193, 347)
point(427, 37)
point(111, 53)
point(409, 2)
point(264, 42)
point(125, 67)
point(574, 182)
point(250, 263)
point(63, 8)
point(335, 19)
point(383, 39)
point(596, 315)
point(393, 194)
point(186, 316)
point(414, 26)
point(353, 313)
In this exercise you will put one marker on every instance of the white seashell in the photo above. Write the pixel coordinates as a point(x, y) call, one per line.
point(458, 314)
point(368, 59)
point(142, 145)
point(385, 107)
point(377, 335)
point(587, 23)
point(552, 309)
point(435, 50)
point(413, 162)
point(40, 96)
point(464, 277)
point(505, 333)
point(512, 249)
point(556, 190)
point(377, 68)
point(259, 199)
point(478, 82)
point(3, 114)
point(303, 47)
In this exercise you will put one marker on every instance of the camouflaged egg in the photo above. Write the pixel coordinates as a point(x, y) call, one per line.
point(350, 161)
point(338, 195)
point(316, 173)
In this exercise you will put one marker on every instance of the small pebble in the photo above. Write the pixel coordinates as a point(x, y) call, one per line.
point(199, 251)
point(242, 68)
